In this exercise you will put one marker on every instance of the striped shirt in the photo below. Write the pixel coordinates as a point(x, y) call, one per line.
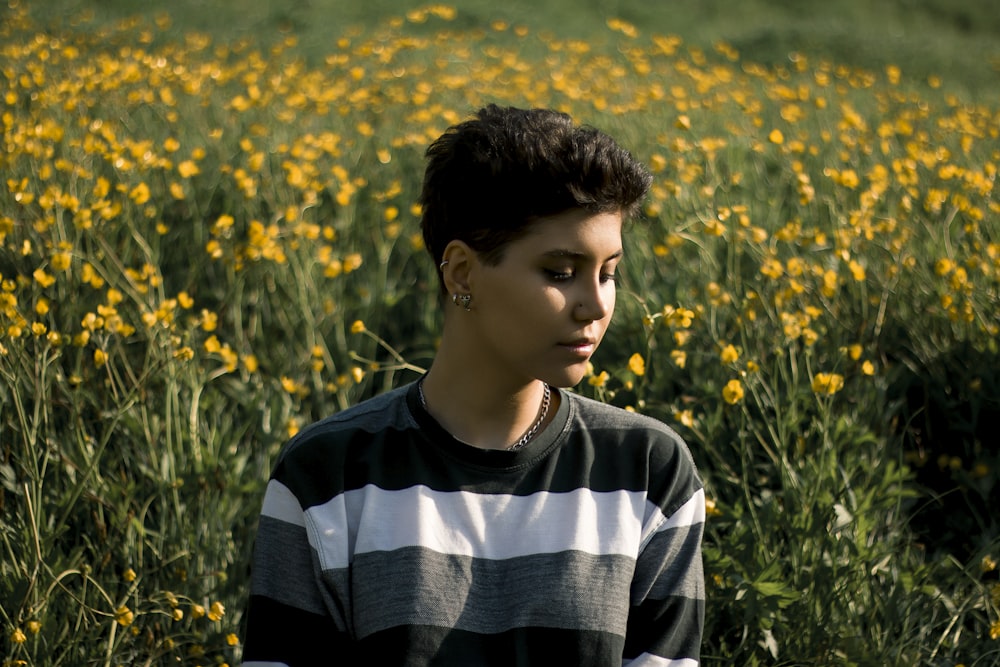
point(384, 541)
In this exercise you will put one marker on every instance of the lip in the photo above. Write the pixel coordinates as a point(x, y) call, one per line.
point(580, 346)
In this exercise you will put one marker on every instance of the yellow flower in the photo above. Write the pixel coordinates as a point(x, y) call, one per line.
point(637, 364)
point(868, 368)
point(776, 137)
point(188, 168)
point(729, 354)
point(712, 508)
point(124, 616)
point(830, 281)
point(849, 178)
point(598, 380)
point(827, 383)
point(357, 327)
point(773, 269)
point(987, 564)
point(197, 610)
point(34, 627)
point(679, 357)
point(61, 261)
point(100, 358)
point(18, 636)
point(995, 630)
point(177, 614)
point(140, 194)
point(857, 271)
point(209, 320)
point(42, 278)
point(212, 344)
point(944, 266)
point(232, 639)
point(129, 575)
point(352, 262)
point(216, 611)
point(214, 249)
point(357, 373)
point(685, 417)
point(732, 393)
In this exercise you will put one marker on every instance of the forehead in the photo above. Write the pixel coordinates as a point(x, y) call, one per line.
point(574, 232)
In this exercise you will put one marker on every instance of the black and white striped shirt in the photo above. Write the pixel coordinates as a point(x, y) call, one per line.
point(384, 541)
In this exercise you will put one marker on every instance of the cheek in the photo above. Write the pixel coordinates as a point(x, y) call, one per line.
point(549, 299)
point(612, 299)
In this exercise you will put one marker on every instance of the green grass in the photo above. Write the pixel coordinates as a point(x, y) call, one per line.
point(957, 41)
point(195, 216)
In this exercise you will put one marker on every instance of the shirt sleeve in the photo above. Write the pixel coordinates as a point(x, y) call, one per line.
point(289, 618)
point(667, 609)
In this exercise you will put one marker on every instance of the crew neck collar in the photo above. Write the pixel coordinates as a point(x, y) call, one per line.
point(440, 438)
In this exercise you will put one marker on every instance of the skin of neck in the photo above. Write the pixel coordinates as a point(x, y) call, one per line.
point(478, 404)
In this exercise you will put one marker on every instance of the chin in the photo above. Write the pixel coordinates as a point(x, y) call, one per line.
point(567, 379)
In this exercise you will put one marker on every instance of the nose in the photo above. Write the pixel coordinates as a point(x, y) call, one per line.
point(595, 299)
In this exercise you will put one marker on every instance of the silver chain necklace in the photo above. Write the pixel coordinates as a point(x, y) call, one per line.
point(543, 412)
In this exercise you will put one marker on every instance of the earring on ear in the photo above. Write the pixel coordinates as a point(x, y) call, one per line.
point(442, 265)
point(463, 300)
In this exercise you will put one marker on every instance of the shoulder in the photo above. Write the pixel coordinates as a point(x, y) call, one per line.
point(625, 436)
point(385, 412)
point(344, 450)
point(617, 424)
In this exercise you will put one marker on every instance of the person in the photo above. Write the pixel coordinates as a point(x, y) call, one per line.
point(485, 514)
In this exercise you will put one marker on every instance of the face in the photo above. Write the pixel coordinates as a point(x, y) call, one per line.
point(543, 310)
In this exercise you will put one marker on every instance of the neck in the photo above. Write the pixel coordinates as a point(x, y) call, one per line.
point(480, 409)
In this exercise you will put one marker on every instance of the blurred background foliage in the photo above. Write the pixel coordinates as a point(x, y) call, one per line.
point(207, 240)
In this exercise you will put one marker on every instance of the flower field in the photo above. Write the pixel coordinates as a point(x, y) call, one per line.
point(206, 245)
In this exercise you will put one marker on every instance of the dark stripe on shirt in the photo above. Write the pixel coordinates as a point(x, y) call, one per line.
point(445, 647)
point(332, 458)
point(282, 633)
point(669, 628)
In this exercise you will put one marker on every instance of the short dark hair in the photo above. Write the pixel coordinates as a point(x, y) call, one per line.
point(489, 177)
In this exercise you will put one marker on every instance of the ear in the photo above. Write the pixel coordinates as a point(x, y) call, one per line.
point(461, 260)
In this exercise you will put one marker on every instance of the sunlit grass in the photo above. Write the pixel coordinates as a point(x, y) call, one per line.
point(204, 246)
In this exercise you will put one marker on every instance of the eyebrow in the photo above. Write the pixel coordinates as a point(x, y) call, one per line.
point(574, 254)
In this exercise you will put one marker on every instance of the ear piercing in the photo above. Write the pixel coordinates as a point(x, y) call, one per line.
point(463, 300)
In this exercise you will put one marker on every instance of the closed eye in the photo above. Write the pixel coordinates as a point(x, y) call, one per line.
point(559, 276)
point(563, 276)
